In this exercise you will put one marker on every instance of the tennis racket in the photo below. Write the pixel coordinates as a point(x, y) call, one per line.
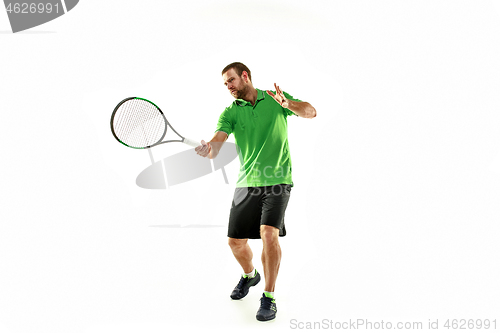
point(140, 124)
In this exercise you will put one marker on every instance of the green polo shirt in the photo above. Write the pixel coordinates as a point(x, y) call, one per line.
point(261, 137)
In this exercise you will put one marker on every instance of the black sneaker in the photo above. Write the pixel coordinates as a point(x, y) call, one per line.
point(241, 290)
point(267, 310)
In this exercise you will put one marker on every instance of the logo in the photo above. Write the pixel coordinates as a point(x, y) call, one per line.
point(183, 167)
point(27, 14)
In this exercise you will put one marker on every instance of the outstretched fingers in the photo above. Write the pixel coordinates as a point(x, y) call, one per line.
point(279, 96)
point(270, 93)
point(278, 90)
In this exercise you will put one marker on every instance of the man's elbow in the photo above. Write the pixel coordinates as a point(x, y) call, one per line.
point(311, 113)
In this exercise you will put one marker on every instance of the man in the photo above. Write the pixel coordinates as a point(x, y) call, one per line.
point(259, 125)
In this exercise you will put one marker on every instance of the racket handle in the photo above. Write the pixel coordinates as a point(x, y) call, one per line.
point(192, 143)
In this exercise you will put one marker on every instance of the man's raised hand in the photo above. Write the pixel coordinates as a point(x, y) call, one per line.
point(279, 97)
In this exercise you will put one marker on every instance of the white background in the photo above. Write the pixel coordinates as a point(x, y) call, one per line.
point(394, 215)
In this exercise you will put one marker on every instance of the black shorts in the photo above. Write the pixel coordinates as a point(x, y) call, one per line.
point(256, 206)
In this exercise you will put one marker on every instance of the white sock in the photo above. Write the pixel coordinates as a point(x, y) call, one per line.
point(269, 294)
point(251, 274)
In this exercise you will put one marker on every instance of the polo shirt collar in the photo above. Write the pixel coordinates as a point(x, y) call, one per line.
point(260, 95)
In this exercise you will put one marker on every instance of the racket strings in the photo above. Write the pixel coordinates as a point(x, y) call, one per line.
point(128, 122)
point(139, 123)
point(150, 119)
point(152, 128)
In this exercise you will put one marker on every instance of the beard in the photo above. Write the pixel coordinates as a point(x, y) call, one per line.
point(240, 93)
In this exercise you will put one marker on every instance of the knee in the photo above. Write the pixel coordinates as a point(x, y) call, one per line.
point(269, 234)
point(235, 243)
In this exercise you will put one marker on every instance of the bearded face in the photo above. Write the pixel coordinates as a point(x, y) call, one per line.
point(236, 85)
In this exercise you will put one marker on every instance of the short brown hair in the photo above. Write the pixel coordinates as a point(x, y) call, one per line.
point(238, 68)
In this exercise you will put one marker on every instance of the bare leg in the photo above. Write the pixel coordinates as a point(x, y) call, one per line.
point(271, 255)
point(242, 253)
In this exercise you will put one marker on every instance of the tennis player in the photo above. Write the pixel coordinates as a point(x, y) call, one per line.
point(258, 120)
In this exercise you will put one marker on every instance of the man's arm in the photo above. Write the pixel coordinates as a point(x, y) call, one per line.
point(211, 149)
point(301, 109)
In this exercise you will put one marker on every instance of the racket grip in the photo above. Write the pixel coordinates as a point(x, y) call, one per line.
point(192, 143)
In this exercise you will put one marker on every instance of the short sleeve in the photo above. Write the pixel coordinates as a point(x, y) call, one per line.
point(290, 97)
point(225, 124)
